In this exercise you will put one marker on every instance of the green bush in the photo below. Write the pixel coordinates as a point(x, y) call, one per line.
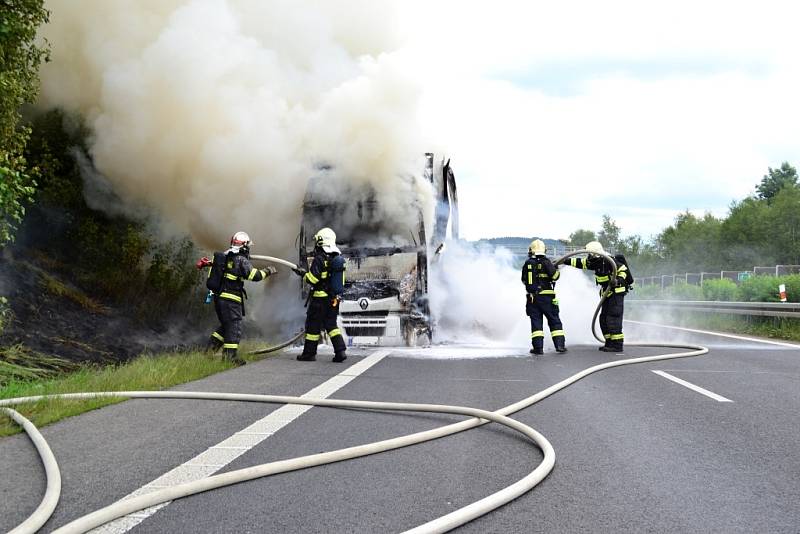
point(792, 282)
point(760, 289)
point(648, 292)
point(683, 291)
point(16, 190)
point(720, 290)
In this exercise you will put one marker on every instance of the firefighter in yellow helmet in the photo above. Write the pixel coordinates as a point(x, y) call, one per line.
point(326, 277)
point(614, 286)
point(539, 276)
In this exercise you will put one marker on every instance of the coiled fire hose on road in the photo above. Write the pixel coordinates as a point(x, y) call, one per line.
point(441, 524)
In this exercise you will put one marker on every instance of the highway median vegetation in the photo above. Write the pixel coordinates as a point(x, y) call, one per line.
point(24, 373)
point(762, 288)
point(755, 289)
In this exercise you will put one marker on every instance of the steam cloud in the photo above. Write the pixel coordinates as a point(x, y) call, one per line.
point(216, 112)
point(480, 299)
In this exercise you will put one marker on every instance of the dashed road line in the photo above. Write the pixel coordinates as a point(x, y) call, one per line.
point(218, 456)
point(698, 389)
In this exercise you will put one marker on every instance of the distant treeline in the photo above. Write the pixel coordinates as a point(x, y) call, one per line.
point(762, 229)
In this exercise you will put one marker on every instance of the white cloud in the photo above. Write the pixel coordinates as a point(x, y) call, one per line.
point(637, 143)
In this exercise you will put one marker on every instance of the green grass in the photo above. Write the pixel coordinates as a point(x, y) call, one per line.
point(771, 327)
point(149, 372)
point(19, 363)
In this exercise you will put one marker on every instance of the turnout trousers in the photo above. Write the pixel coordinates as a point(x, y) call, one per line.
point(321, 315)
point(229, 333)
point(611, 320)
point(537, 308)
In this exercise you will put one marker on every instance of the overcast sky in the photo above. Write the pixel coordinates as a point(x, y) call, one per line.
point(557, 112)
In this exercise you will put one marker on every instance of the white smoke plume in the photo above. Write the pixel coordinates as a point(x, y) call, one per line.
point(478, 296)
point(216, 112)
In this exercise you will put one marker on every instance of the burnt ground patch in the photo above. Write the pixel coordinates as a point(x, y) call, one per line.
point(50, 314)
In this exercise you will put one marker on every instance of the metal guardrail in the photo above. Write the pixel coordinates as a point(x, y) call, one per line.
point(763, 309)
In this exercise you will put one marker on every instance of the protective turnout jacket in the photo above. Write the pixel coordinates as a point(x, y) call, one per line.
point(238, 269)
point(539, 276)
point(603, 274)
point(326, 275)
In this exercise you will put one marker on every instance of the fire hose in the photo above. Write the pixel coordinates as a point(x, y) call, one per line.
point(295, 337)
point(274, 260)
point(442, 524)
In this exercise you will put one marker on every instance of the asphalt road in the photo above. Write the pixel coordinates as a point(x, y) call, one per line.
point(635, 452)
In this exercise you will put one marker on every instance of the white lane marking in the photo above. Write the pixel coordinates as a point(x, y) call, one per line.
point(684, 383)
point(731, 372)
point(720, 334)
point(218, 456)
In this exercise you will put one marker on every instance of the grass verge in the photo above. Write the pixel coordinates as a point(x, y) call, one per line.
point(770, 327)
point(149, 372)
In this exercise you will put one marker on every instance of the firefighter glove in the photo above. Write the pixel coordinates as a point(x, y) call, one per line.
point(203, 262)
point(271, 270)
point(299, 272)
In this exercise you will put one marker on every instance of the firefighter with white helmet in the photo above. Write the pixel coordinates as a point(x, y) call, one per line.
point(539, 276)
point(614, 286)
point(325, 275)
point(227, 274)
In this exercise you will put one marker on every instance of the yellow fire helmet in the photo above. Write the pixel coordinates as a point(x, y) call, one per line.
point(594, 247)
point(537, 247)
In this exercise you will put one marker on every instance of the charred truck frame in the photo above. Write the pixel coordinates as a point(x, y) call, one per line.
point(388, 261)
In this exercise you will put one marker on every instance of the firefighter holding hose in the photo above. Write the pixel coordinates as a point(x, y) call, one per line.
point(613, 286)
point(226, 278)
point(326, 278)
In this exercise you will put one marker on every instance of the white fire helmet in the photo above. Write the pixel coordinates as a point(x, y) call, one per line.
point(594, 247)
point(240, 240)
point(537, 247)
point(326, 239)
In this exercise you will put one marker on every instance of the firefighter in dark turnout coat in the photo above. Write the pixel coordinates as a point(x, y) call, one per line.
point(614, 306)
point(229, 299)
point(539, 276)
point(326, 278)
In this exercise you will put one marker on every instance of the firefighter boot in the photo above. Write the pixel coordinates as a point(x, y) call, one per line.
point(232, 356)
point(339, 347)
point(309, 350)
point(560, 344)
point(213, 344)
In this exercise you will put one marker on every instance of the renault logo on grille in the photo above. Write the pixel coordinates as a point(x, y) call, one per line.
point(363, 303)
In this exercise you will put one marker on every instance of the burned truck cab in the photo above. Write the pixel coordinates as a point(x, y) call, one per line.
point(388, 253)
